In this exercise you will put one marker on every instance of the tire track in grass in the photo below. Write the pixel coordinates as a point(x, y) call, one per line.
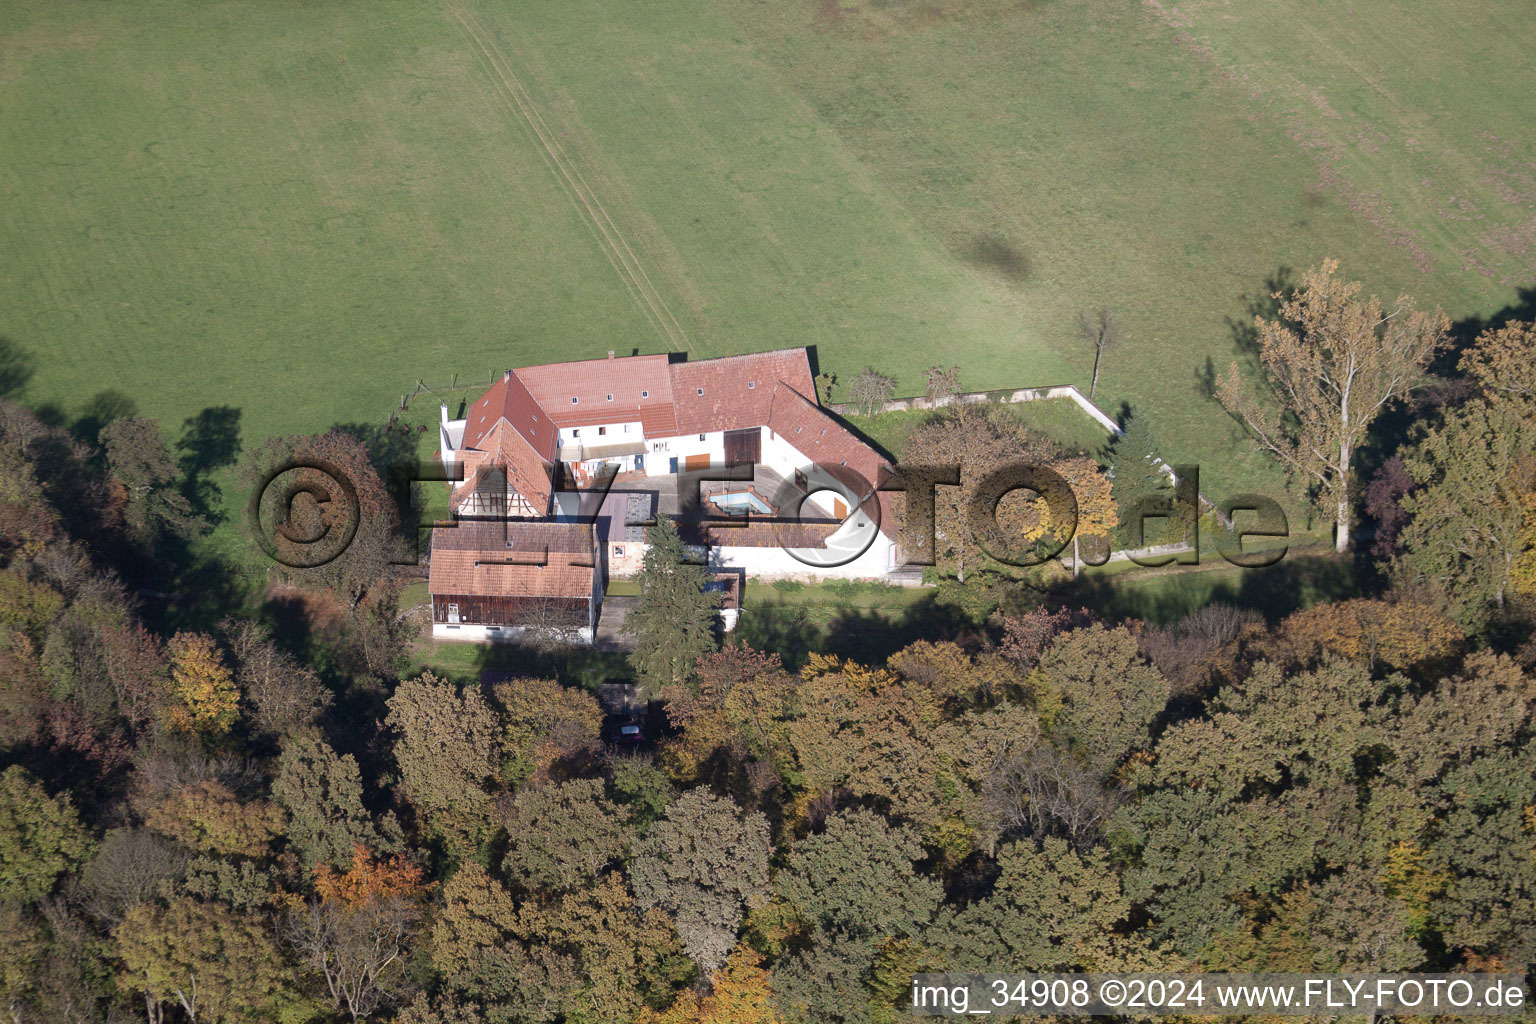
point(628, 266)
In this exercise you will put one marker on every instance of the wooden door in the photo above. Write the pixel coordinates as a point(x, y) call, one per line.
point(743, 447)
point(694, 463)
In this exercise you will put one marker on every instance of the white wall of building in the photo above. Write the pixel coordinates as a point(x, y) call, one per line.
point(877, 559)
point(484, 634)
point(661, 450)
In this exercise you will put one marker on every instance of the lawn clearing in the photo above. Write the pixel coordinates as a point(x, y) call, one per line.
point(297, 211)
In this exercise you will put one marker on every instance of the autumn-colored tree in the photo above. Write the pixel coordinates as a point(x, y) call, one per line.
point(629, 956)
point(25, 946)
point(733, 718)
point(739, 993)
point(476, 946)
point(356, 932)
point(1400, 635)
point(979, 446)
point(136, 666)
point(204, 697)
point(209, 816)
point(542, 724)
point(1332, 361)
point(1503, 359)
point(219, 966)
point(331, 517)
point(868, 732)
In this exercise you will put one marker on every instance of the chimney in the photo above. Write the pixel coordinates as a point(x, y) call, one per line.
point(610, 353)
point(507, 375)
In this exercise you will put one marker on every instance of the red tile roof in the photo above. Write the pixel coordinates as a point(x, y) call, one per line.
point(819, 437)
point(497, 559)
point(811, 431)
point(737, 391)
point(634, 382)
point(468, 574)
point(508, 399)
point(527, 473)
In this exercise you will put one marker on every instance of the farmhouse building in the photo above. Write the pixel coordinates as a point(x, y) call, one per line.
point(759, 478)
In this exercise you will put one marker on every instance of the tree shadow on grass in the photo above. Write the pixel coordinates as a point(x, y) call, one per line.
point(16, 367)
point(102, 408)
point(210, 441)
point(1297, 581)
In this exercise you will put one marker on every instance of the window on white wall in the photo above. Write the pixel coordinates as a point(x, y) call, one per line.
point(701, 437)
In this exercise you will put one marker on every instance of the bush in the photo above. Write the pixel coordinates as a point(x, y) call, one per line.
point(787, 586)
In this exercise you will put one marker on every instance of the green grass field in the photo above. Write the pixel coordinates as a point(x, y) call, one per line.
point(297, 210)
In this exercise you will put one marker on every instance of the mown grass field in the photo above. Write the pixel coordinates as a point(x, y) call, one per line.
point(297, 210)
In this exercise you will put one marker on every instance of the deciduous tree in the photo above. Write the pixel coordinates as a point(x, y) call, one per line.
point(705, 863)
point(1332, 362)
point(142, 465)
point(1100, 330)
point(870, 388)
point(447, 753)
point(323, 795)
point(562, 836)
point(1477, 474)
point(209, 816)
point(41, 837)
point(219, 966)
point(1109, 694)
point(356, 932)
point(204, 697)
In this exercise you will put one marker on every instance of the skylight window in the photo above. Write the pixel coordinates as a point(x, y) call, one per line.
point(645, 394)
point(751, 384)
point(610, 398)
point(699, 390)
point(574, 399)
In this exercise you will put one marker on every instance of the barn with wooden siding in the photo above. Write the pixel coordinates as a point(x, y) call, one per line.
point(500, 579)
